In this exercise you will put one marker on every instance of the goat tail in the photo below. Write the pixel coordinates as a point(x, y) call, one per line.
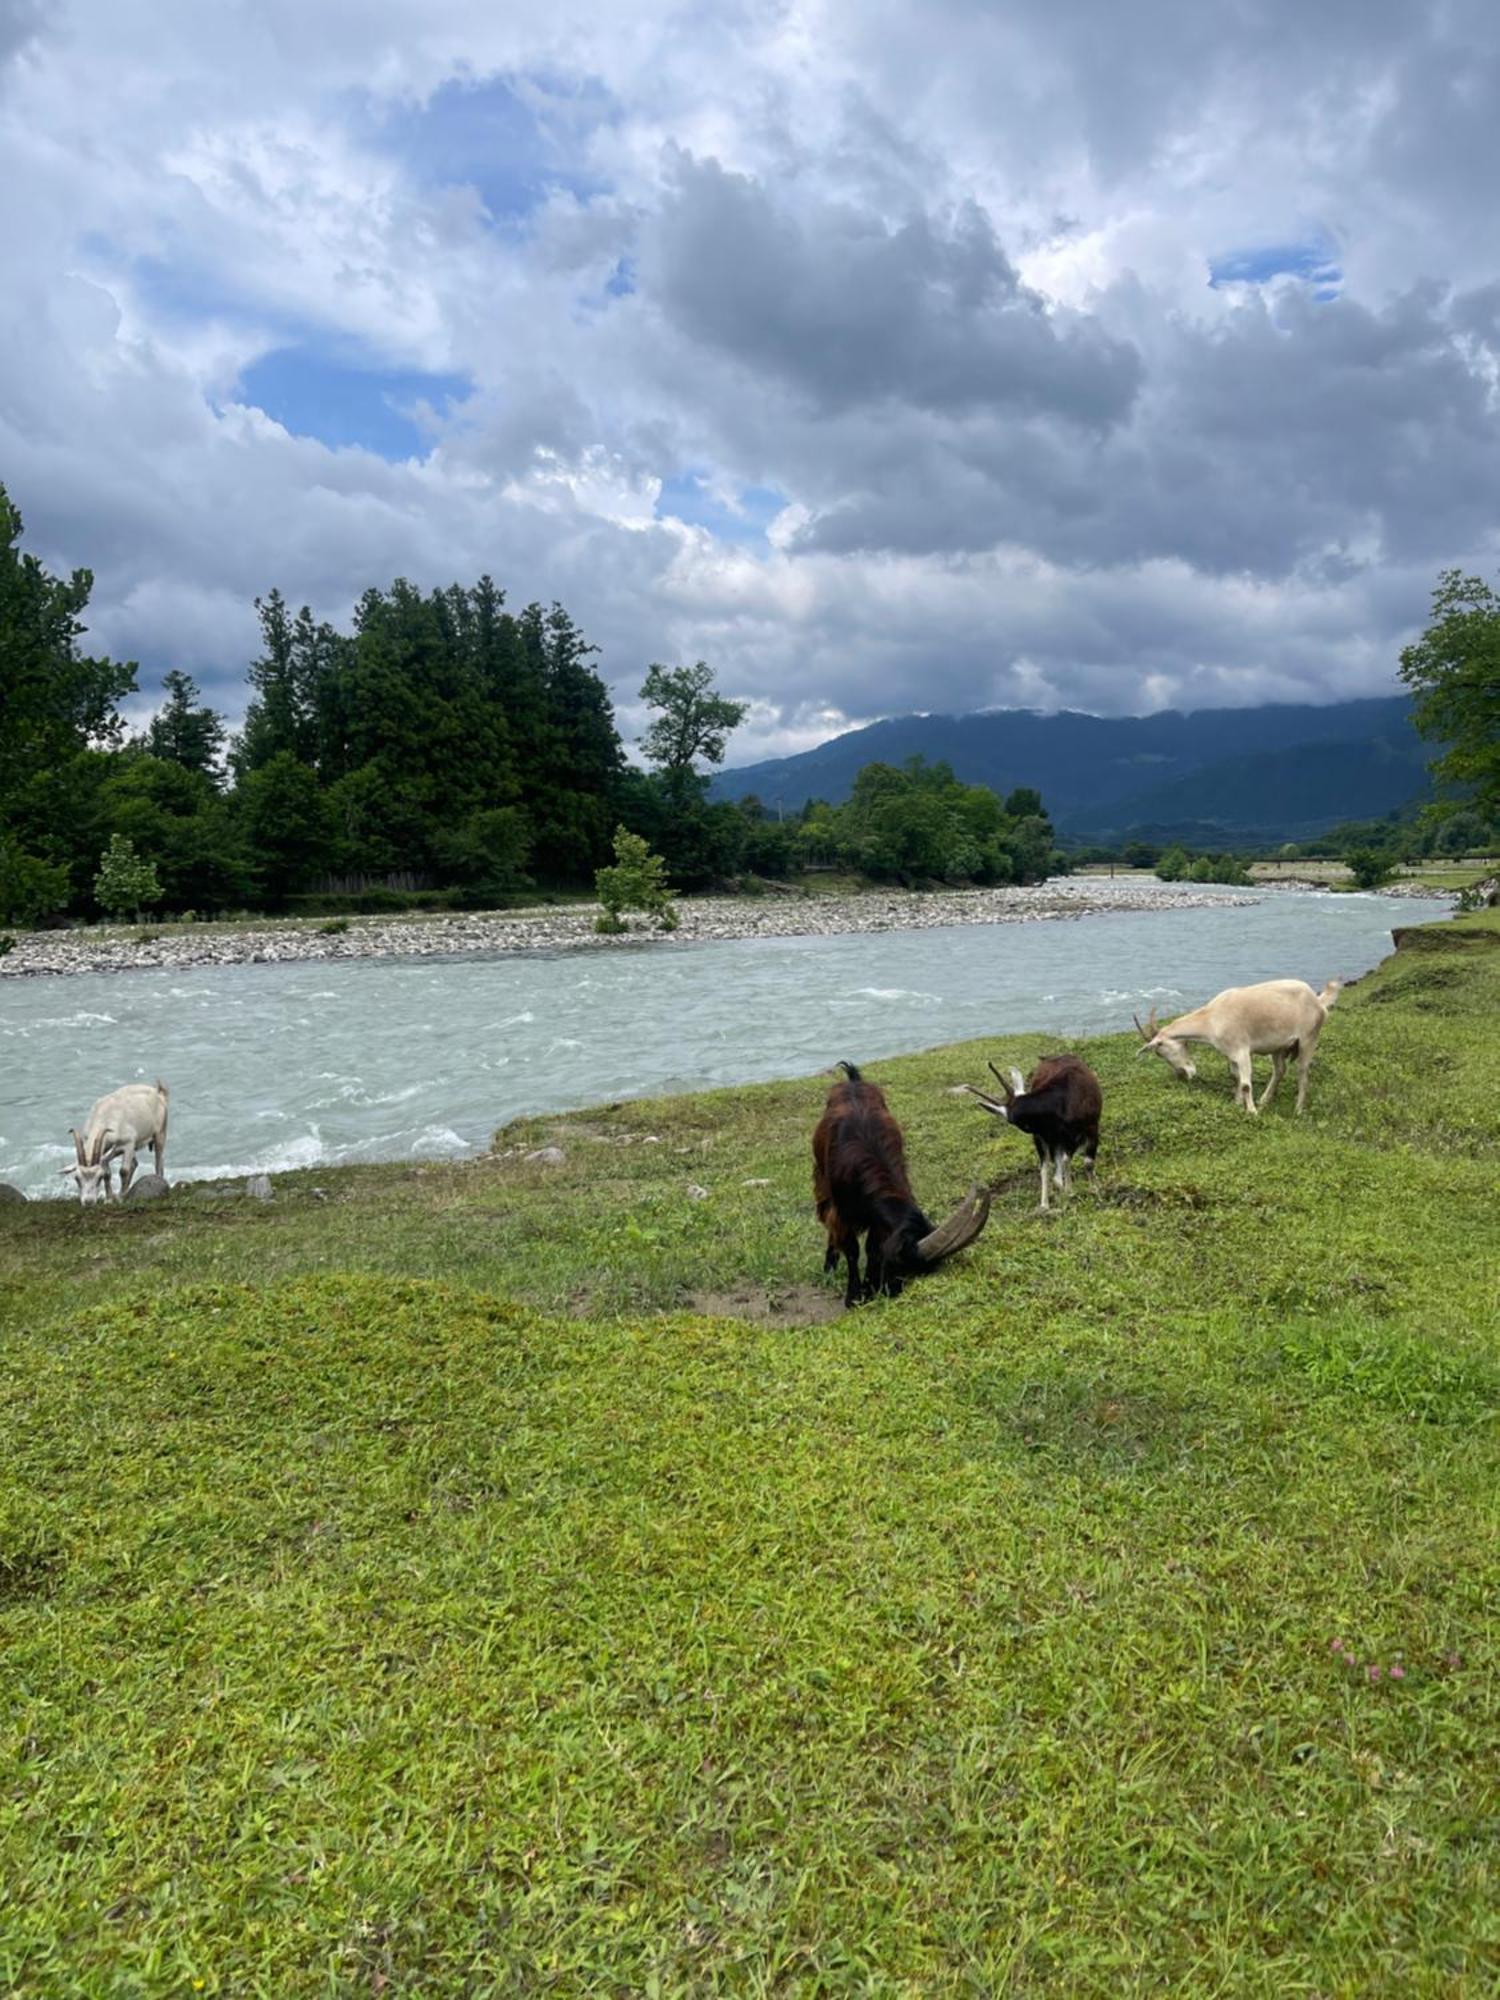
point(1330, 993)
point(850, 1071)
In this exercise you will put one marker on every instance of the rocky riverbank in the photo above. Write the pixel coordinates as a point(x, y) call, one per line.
point(570, 927)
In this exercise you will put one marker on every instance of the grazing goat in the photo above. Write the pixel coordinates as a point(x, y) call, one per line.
point(131, 1117)
point(860, 1187)
point(1059, 1106)
point(1280, 1018)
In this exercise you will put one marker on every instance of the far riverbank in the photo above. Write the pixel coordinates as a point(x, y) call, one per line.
point(570, 927)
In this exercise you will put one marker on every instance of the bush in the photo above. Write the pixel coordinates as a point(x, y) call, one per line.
point(334, 928)
point(126, 883)
point(7, 943)
point(29, 889)
point(636, 882)
point(1369, 867)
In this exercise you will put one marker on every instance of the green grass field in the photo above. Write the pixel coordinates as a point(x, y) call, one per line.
point(512, 1578)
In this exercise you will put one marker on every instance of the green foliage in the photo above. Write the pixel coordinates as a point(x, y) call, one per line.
point(285, 819)
point(335, 927)
point(185, 732)
point(1453, 671)
point(637, 881)
point(917, 824)
point(692, 719)
point(29, 889)
point(1223, 869)
point(497, 1578)
point(1369, 867)
point(126, 883)
point(7, 943)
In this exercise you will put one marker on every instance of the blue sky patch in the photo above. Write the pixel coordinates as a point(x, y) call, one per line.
point(686, 497)
point(341, 403)
point(1313, 263)
point(513, 139)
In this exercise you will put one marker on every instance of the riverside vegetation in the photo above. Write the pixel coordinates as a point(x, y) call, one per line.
point(507, 1577)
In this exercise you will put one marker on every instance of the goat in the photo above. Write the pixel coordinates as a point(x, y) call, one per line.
point(860, 1187)
point(1059, 1106)
point(133, 1116)
point(1279, 1018)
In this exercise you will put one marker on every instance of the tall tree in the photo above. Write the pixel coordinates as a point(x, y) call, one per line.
point(185, 731)
point(54, 700)
point(1453, 671)
point(693, 720)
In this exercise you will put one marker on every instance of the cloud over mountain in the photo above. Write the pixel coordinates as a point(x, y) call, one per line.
point(886, 356)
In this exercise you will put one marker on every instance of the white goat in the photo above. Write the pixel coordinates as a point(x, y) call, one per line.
point(131, 1117)
point(1279, 1018)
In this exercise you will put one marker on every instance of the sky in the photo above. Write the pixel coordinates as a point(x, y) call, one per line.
point(889, 355)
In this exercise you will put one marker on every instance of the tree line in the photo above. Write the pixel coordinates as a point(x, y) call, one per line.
point(444, 748)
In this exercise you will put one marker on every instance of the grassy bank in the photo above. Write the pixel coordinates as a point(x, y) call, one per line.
point(507, 1578)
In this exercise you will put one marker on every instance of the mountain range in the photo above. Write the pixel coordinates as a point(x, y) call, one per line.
point(1284, 772)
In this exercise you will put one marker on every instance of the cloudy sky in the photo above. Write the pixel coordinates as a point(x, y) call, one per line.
point(888, 354)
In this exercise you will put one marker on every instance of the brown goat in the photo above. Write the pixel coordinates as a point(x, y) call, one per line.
point(1059, 1106)
point(860, 1188)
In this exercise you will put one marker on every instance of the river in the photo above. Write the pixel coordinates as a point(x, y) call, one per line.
point(284, 1066)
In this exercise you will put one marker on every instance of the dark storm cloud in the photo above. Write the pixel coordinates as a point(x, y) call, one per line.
point(844, 309)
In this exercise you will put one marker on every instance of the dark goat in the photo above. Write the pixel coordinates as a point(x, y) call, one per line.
point(1059, 1107)
point(860, 1188)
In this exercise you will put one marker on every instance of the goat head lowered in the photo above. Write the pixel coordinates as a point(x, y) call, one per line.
point(861, 1188)
point(127, 1120)
point(1059, 1107)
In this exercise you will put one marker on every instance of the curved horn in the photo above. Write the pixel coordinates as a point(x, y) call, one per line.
point(990, 1103)
point(962, 1226)
point(1149, 1031)
point(77, 1146)
point(1003, 1081)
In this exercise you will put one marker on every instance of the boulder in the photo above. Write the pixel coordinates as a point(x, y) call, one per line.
point(9, 1194)
point(259, 1188)
point(545, 1156)
point(147, 1187)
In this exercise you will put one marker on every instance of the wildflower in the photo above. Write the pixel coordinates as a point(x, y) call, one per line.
point(1397, 1673)
point(1373, 1671)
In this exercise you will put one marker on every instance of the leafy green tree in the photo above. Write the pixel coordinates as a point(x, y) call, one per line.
point(285, 823)
point(485, 857)
point(29, 889)
point(693, 720)
point(185, 731)
point(1370, 866)
point(126, 884)
point(1453, 671)
point(175, 818)
point(637, 881)
point(1173, 865)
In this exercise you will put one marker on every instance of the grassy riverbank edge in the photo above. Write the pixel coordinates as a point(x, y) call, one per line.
point(506, 1576)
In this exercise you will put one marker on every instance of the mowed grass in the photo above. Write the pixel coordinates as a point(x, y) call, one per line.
point(406, 1591)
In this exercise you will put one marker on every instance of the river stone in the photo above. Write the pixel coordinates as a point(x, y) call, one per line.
point(9, 1194)
point(546, 1156)
point(258, 1187)
point(147, 1187)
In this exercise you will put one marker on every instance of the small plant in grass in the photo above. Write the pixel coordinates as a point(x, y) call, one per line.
point(636, 882)
point(335, 927)
point(126, 882)
point(7, 943)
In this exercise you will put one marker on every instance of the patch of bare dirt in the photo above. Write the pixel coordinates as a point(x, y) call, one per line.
point(778, 1305)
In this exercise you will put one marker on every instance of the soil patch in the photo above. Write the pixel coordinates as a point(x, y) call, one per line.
point(778, 1305)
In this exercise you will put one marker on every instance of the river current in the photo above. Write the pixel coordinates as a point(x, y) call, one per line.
point(298, 1065)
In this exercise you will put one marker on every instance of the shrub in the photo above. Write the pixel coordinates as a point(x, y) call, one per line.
point(334, 928)
point(126, 883)
point(636, 882)
point(1369, 867)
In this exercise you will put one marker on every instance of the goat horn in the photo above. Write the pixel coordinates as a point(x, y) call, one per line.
point(1003, 1081)
point(962, 1226)
point(77, 1146)
point(989, 1103)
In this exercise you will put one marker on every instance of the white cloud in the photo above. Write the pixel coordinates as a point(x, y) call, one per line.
point(937, 274)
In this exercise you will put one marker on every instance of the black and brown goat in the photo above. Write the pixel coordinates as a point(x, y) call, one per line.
point(861, 1188)
point(1059, 1106)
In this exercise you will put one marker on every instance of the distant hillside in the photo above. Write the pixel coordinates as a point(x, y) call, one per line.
point(1282, 772)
